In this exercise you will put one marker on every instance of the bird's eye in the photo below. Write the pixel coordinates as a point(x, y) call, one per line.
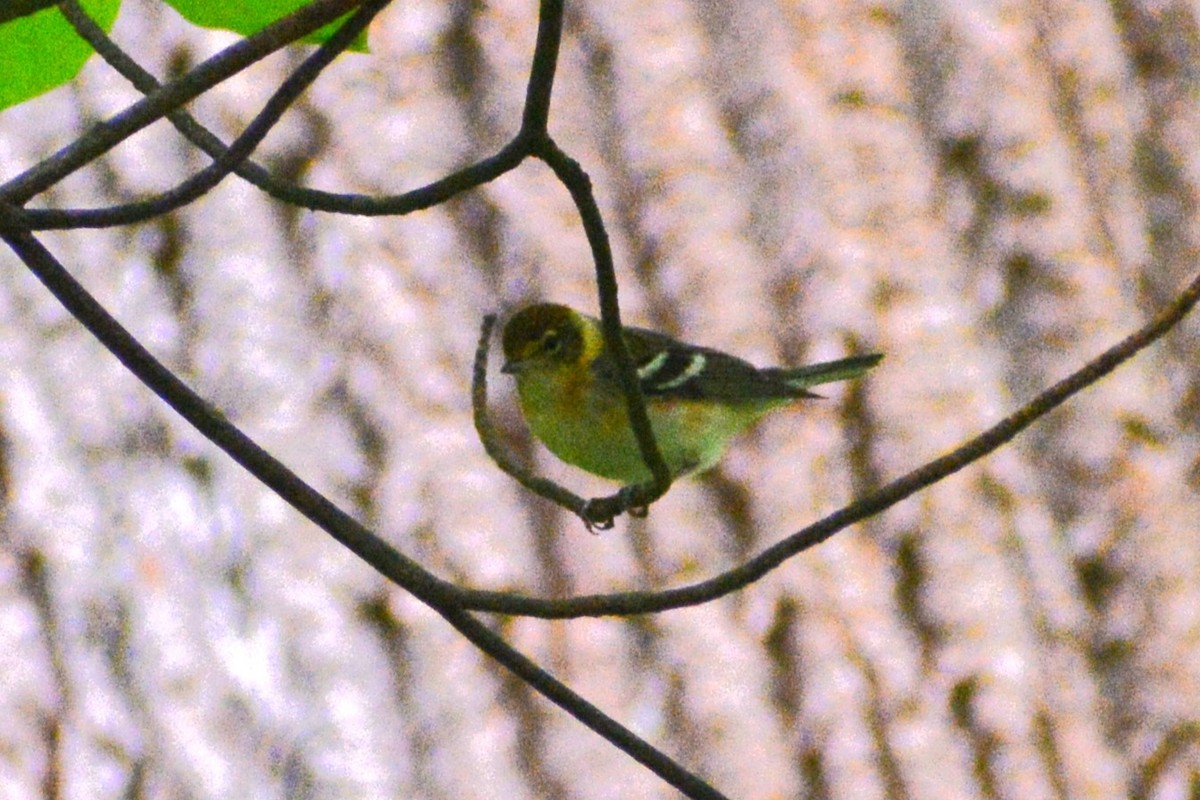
point(551, 342)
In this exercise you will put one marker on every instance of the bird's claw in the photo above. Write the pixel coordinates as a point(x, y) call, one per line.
point(596, 518)
point(599, 514)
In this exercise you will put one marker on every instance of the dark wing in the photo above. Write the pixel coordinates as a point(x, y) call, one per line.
point(673, 369)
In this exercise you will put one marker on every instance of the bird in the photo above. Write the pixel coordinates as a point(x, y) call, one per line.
point(697, 398)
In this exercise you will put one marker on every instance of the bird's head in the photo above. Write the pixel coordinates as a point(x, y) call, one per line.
point(542, 337)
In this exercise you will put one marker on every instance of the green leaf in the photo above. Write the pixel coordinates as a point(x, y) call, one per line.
point(247, 18)
point(41, 51)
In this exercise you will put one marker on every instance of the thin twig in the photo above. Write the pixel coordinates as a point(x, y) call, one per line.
point(237, 152)
point(104, 136)
point(568, 171)
point(598, 512)
point(739, 577)
point(534, 129)
point(491, 443)
point(540, 87)
point(212, 424)
point(398, 568)
point(472, 176)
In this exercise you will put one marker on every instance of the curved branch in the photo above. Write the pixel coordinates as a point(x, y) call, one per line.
point(240, 149)
point(213, 425)
point(104, 136)
point(461, 180)
point(403, 571)
point(533, 128)
point(398, 568)
point(567, 170)
point(491, 444)
point(890, 494)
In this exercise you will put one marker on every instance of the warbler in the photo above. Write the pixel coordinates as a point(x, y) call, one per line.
point(697, 398)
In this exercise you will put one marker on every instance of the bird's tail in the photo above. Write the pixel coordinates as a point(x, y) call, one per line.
point(815, 374)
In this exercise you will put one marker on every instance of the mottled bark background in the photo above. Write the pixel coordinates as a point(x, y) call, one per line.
point(989, 192)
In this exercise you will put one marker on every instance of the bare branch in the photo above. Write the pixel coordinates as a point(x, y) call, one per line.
point(541, 74)
point(487, 435)
point(210, 422)
point(241, 148)
point(401, 570)
point(15, 9)
point(104, 136)
point(889, 495)
point(465, 179)
point(567, 170)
